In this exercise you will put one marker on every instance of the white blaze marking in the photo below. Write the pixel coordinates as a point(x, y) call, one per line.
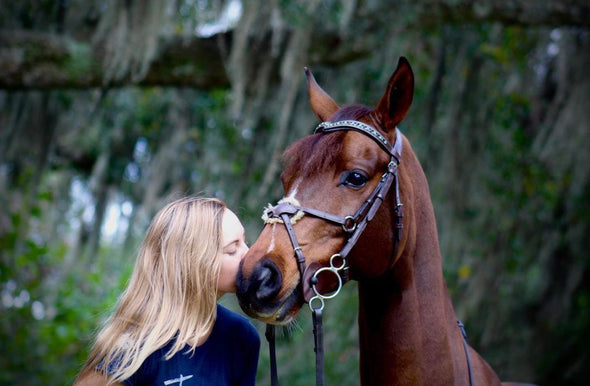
point(271, 245)
point(294, 190)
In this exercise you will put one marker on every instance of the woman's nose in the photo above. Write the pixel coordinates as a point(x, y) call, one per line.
point(244, 250)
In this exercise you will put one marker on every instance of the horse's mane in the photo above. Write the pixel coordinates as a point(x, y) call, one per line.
point(315, 153)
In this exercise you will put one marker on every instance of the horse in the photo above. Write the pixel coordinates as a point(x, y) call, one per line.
point(334, 182)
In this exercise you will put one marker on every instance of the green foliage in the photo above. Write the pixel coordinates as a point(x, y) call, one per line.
point(48, 310)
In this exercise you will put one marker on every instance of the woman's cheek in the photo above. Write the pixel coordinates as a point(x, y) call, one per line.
point(229, 271)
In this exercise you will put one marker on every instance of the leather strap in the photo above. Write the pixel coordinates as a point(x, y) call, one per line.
point(296, 248)
point(327, 127)
point(270, 337)
point(466, 347)
point(318, 337)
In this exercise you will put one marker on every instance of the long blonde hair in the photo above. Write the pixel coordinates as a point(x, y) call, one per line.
point(172, 292)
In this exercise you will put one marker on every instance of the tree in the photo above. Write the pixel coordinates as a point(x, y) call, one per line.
point(155, 55)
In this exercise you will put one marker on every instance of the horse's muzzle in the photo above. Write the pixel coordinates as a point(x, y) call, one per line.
point(257, 293)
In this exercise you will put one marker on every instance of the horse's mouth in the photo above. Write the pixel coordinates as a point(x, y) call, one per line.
point(281, 312)
point(290, 307)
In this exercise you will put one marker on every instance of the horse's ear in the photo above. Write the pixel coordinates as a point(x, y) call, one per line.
point(321, 103)
point(396, 101)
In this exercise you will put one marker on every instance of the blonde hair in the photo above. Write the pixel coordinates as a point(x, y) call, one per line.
point(172, 293)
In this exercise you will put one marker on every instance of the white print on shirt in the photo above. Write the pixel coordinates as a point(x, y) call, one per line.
point(178, 380)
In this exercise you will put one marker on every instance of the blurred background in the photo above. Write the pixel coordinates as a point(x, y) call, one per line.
point(111, 108)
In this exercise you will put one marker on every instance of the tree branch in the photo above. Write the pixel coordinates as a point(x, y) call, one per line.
point(35, 60)
point(521, 12)
point(32, 60)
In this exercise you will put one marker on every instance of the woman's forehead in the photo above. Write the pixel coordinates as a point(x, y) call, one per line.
point(231, 226)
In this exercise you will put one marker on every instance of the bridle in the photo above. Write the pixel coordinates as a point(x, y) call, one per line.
point(353, 226)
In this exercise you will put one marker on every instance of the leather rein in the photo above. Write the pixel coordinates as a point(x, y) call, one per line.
point(352, 225)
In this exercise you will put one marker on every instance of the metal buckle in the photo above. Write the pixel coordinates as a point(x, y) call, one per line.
point(349, 224)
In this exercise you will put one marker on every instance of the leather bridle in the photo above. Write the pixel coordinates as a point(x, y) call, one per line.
point(353, 226)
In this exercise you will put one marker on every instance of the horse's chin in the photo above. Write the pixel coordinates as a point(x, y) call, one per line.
point(283, 314)
point(289, 309)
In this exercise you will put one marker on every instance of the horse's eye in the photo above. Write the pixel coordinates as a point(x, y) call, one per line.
point(353, 179)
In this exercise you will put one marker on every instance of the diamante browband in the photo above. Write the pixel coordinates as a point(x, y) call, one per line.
point(326, 127)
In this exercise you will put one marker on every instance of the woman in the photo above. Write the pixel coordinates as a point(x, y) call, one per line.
point(167, 328)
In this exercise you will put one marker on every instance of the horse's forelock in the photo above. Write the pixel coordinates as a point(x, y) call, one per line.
point(311, 155)
point(353, 112)
point(316, 153)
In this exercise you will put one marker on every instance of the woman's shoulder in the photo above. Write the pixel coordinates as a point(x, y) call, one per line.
point(229, 316)
point(94, 378)
point(235, 324)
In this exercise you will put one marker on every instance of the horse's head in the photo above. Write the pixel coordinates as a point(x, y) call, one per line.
point(331, 180)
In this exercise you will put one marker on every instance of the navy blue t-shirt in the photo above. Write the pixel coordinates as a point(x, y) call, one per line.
point(228, 357)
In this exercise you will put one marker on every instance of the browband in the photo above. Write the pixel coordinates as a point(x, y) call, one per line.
point(394, 151)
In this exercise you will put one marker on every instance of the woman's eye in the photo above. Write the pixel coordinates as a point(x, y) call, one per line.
point(231, 252)
point(354, 179)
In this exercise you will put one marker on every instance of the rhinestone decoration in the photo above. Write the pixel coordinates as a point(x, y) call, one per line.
point(350, 124)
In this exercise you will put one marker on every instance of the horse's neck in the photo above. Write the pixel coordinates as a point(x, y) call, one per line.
point(407, 325)
point(408, 331)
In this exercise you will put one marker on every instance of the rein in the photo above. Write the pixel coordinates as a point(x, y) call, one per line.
point(288, 211)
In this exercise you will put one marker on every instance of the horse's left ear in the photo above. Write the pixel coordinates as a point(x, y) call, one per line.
point(321, 103)
point(396, 101)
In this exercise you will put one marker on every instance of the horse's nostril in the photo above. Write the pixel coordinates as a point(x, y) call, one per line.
point(267, 280)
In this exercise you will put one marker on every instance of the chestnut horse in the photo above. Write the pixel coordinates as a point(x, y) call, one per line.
point(408, 331)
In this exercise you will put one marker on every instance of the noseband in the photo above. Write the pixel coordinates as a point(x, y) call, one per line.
point(352, 225)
